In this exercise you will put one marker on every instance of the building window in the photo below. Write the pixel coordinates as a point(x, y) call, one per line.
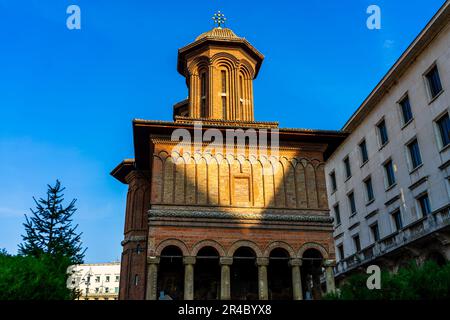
point(97, 290)
point(363, 150)
point(106, 290)
point(434, 82)
point(397, 216)
point(406, 110)
point(136, 279)
point(443, 125)
point(224, 93)
point(117, 278)
point(348, 170)
point(369, 189)
point(107, 278)
point(203, 95)
point(389, 173)
point(116, 290)
point(341, 251)
point(97, 279)
point(337, 214)
point(375, 232)
point(414, 154)
point(351, 201)
point(357, 243)
point(382, 132)
point(333, 181)
point(424, 203)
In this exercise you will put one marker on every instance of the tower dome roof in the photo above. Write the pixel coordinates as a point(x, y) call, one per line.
point(218, 33)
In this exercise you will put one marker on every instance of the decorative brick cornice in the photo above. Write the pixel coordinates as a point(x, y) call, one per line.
point(227, 123)
point(133, 239)
point(165, 213)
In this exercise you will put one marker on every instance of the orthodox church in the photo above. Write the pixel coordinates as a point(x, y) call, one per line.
point(247, 219)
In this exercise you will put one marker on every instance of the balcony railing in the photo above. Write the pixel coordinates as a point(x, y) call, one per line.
point(418, 229)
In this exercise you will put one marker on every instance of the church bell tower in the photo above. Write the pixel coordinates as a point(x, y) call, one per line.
point(219, 68)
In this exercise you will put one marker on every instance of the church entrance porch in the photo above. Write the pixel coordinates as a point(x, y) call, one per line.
point(241, 271)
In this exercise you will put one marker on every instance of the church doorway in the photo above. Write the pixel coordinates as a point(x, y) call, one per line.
point(244, 275)
point(279, 275)
point(311, 271)
point(171, 274)
point(207, 275)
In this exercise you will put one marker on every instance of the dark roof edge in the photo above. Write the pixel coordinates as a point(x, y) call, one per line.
point(123, 169)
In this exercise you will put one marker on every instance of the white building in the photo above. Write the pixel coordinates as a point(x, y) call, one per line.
point(95, 281)
point(388, 183)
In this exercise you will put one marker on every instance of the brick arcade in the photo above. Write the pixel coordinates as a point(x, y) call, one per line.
point(216, 223)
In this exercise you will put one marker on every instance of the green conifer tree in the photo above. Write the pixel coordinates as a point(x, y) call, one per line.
point(49, 229)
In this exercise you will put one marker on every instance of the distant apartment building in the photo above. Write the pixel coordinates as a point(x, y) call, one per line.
point(95, 281)
point(388, 183)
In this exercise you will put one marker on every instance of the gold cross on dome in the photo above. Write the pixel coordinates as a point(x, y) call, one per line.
point(219, 19)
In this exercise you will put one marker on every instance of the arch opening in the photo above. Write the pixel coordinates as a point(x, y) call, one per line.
point(437, 257)
point(244, 275)
point(311, 271)
point(279, 275)
point(171, 274)
point(207, 274)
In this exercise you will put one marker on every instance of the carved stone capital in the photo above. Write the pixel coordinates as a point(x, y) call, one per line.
point(295, 262)
point(329, 263)
point(189, 260)
point(262, 261)
point(227, 261)
point(153, 260)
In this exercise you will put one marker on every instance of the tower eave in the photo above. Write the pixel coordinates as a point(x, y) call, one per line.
point(238, 42)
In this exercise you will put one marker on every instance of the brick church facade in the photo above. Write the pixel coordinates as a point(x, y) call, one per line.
point(209, 221)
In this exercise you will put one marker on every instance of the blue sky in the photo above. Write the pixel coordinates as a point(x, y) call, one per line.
point(67, 97)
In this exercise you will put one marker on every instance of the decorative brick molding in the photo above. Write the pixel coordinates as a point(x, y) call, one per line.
point(245, 243)
point(208, 243)
point(279, 244)
point(313, 245)
point(172, 242)
point(133, 239)
point(161, 213)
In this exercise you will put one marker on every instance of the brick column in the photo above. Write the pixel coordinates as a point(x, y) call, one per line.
point(263, 287)
point(296, 279)
point(225, 290)
point(188, 277)
point(329, 264)
point(152, 278)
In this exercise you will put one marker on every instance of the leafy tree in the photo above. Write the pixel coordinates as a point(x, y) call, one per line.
point(424, 282)
point(49, 229)
point(33, 278)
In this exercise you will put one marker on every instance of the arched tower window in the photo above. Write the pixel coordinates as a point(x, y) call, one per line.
point(203, 93)
point(224, 93)
point(241, 97)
